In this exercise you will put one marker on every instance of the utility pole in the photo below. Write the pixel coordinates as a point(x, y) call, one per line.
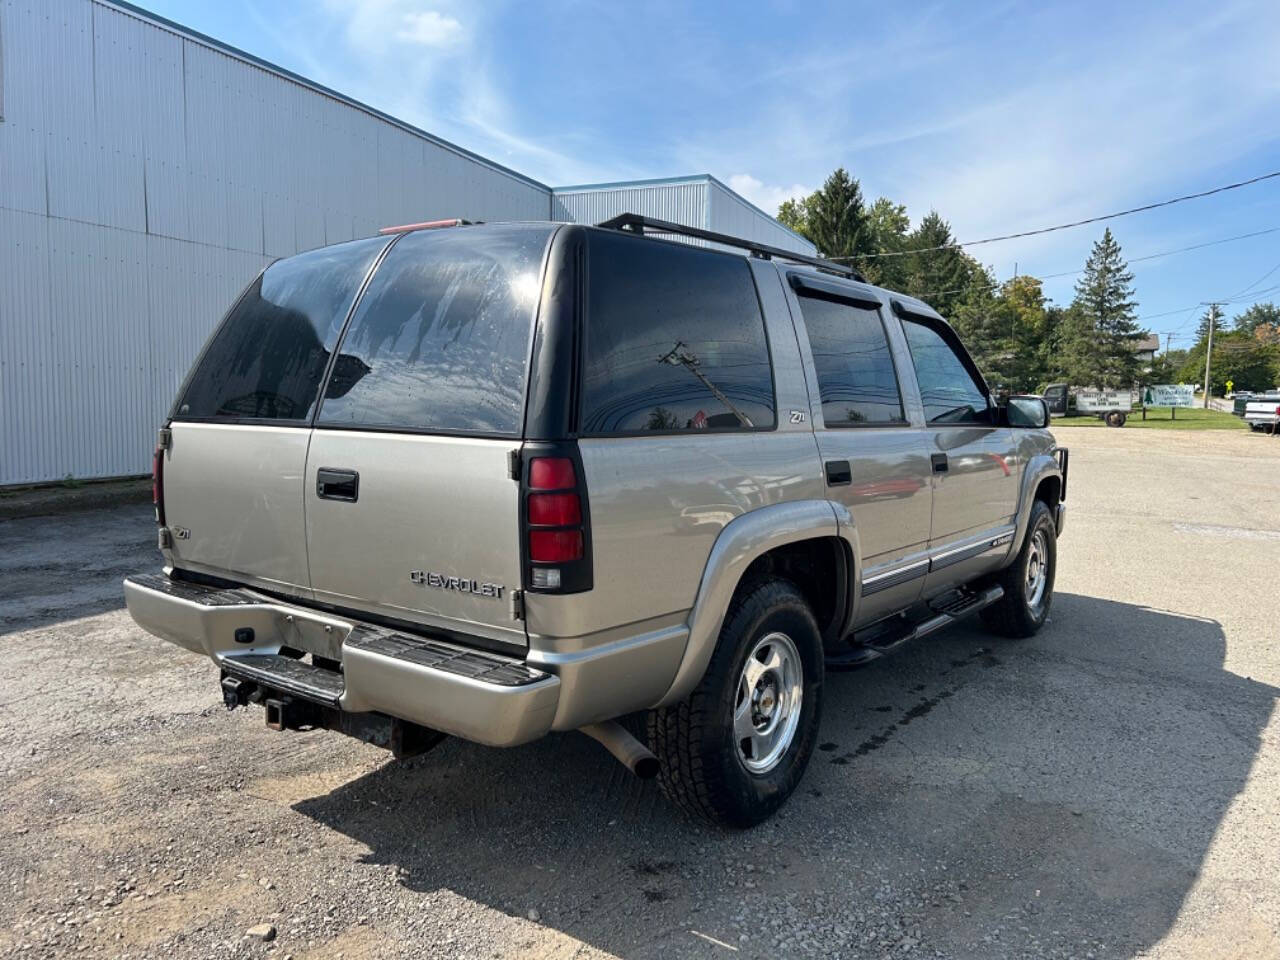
point(1168, 337)
point(680, 355)
point(1208, 353)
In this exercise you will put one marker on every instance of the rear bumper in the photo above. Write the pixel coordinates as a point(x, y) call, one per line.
point(480, 696)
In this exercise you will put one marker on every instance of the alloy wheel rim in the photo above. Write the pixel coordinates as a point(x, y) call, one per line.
point(767, 703)
point(1037, 570)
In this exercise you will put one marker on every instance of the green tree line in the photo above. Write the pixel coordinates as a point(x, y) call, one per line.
point(1019, 338)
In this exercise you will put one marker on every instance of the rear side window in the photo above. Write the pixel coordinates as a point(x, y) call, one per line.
point(267, 358)
point(949, 388)
point(856, 377)
point(674, 340)
point(441, 339)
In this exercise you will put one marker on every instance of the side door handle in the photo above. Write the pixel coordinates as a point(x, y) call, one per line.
point(334, 484)
point(939, 462)
point(838, 473)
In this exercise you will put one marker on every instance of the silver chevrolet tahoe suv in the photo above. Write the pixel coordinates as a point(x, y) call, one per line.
point(498, 480)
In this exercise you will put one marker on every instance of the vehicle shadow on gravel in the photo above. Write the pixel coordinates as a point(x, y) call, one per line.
point(970, 795)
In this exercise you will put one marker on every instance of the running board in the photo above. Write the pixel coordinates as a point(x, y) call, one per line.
point(946, 610)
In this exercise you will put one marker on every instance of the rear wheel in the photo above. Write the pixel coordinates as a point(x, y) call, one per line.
point(736, 748)
point(1028, 581)
point(1115, 418)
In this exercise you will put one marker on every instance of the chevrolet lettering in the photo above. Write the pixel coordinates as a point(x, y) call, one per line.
point(695, 478)
point(462, 585)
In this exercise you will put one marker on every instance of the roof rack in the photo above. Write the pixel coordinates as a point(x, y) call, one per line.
point(636, 223)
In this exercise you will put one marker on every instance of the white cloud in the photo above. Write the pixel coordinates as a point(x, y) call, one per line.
point(430, 28)
point(767, 197)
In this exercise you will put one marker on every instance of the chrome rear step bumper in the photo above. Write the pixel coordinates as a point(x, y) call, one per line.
point(477, 695)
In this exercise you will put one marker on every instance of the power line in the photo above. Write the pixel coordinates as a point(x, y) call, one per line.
point(1067, 226)
point(1259, 280)
point(1150, 256)
point(1251, 299)
point(1169, 253)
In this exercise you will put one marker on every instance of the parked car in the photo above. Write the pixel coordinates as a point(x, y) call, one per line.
point(498, 480)
point(1262, 412)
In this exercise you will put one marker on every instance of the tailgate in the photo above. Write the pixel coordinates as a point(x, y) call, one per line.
point(432, 535)
point(411, 509)
point(233, 503)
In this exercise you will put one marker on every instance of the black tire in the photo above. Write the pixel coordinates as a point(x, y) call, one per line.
point(1019, 613)
point(701, 768)
point(1115, 419)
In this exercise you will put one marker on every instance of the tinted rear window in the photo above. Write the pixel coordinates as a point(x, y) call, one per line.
point(266, 359)
point(441, 338)
point(856, 376)
point(675, 340)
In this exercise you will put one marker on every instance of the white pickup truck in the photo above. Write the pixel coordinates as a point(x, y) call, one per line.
point(1262, 412)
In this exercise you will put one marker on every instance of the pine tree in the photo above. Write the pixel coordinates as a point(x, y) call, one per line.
point(939, 273)
point(1099, 339)
point(833, 218)
point(1202, 328)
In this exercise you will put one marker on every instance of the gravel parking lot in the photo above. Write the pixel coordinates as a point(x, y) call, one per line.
point(1109, 789)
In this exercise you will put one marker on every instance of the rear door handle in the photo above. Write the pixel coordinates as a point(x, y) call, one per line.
point(334, 484)
point(939, 462)
point(838, 473)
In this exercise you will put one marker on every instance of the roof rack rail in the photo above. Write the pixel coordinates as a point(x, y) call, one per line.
point(636, 223)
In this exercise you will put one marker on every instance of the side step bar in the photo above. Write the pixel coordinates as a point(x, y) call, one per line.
point(946, 610)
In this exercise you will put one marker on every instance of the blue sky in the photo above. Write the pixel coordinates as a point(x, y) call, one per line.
point(1006, 117)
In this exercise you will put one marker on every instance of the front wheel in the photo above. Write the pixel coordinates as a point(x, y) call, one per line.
point(1028, 581)
point(737, 747)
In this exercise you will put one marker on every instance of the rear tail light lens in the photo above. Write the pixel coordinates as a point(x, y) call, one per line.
point(551, 473)
point(555, 525)
point(554, 509)
point(555, 546)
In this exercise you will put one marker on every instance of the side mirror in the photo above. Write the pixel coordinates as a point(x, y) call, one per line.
point(1028, 412)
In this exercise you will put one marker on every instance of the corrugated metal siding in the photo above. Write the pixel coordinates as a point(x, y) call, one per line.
point(730, 213)
point(145, 177)
point(678, 202)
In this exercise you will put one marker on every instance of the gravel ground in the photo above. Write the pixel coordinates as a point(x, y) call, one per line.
point(1108, 789)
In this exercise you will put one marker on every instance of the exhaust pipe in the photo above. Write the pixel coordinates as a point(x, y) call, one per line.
point(631, 753)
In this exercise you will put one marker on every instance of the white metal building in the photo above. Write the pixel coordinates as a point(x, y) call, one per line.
point(147, 172)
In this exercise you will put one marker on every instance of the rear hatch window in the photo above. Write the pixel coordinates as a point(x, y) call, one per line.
point(440, 341)
point(266, 360)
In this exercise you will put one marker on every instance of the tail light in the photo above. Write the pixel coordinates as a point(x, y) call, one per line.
point(157, 484)
point(557, 542)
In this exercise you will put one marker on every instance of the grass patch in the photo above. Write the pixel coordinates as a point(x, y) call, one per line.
point(1159, 418)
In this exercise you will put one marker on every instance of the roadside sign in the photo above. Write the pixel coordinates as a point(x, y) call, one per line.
point(1170, 395)
point(1093, 400)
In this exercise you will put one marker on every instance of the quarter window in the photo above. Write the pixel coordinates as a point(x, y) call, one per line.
point(948, 386)
point(856, 377)
point(675, 340)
